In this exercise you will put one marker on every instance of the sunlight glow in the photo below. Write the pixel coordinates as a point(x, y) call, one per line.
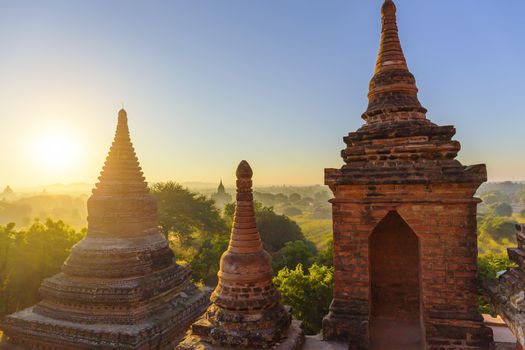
point(56, 150)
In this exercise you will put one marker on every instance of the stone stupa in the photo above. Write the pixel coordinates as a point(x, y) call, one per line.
point(120, 288)
point(245, 310)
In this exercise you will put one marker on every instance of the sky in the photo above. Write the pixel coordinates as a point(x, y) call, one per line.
point(207, 83)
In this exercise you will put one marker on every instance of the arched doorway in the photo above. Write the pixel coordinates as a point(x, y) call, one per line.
point(395, 313)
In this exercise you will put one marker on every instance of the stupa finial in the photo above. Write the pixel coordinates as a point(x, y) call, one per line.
point(122, 171)
point(245, 236)
point(122, 115)
point(393, 90)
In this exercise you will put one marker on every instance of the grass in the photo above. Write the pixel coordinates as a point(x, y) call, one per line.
point(319, 231)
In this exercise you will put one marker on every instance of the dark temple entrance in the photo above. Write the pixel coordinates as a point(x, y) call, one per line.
point(395, 319)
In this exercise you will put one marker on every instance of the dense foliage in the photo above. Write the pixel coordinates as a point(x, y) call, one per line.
point(490, 264)
point(495, 197)
point(498, 228)
point(488, 267)
point(501, 209)
point(27, 256)
point(200, 235)
point(326, 256)
point(205, 264)
point(308, 293)
point(294, 253)
point(185, 214)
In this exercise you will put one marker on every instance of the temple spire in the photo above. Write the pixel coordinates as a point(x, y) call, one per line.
point(393, 91)
point(121, 165)
point(390, 51)
point(221, 188)
point(245, 236)
point(245, 310)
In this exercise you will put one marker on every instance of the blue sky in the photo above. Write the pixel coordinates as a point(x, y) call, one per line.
point(207, 83)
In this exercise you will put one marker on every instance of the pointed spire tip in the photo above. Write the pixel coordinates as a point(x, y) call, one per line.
point(122, 116)
point(122, 113)
point(244, 171)
point(388, 8)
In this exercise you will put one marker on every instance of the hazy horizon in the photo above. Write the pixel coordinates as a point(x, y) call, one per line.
point(207, 84)
point(85, 187)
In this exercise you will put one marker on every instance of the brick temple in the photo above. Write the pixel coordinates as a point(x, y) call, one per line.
point(120, 288)
point(404, 220)
point(245, 310)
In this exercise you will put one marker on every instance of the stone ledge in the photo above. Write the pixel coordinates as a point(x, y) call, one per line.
point(294, 340)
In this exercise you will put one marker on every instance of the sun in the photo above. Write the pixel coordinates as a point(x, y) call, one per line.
point(56, 150)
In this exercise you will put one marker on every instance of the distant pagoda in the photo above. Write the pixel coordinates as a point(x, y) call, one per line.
point(8, 193)
point(245, 310)
point(221, 198)
point(120, 287)
point(404, 221)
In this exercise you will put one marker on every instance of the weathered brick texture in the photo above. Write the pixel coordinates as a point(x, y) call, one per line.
point(404, 219)
point(246, 311)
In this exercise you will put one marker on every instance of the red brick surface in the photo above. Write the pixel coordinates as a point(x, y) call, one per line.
point(246, 311)
point(401, 199)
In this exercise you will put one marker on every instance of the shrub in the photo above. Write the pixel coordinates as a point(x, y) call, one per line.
point(309, 294)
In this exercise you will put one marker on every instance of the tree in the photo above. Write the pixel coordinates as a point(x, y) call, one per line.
point(322, 196)
point(281, 198)
point(490, 264)
point(295, 197)
point(495, 197)
point(205, 264)
point(488, 267)
point(293, 254)
point(185, 214)
point(309, 294)
point(29, 256)
point(321, 212)
point(498, 227)
point(293, 211)
point(326, 257)
point(502, 209)
point(276, 229)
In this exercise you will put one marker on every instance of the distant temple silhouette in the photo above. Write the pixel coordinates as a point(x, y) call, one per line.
point(405, 251)
point(7, 193)
point(221, 198)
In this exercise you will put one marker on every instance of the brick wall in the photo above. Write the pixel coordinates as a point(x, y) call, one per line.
point(443, 216)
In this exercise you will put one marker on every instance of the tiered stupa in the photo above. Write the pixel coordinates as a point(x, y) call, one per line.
point(120, 288)
point(507, 293)
point(245, 310)
point(404, 213)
